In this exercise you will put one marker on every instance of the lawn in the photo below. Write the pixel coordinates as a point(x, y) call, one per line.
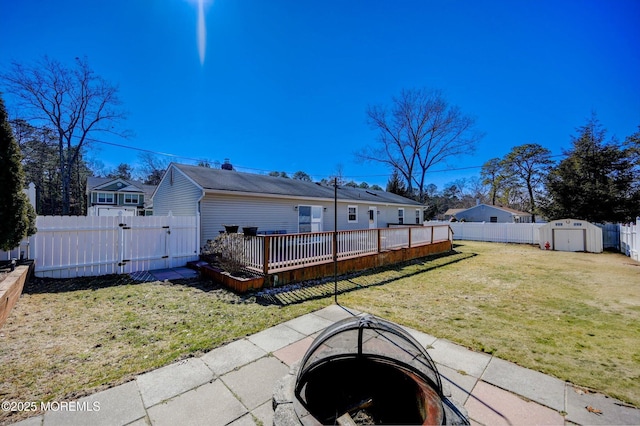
point(575, 316)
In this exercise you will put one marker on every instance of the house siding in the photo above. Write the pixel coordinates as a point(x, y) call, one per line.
point(483, 213)
point(275, 214)
point(178, 196)
point(268, 214)
point(387, 214)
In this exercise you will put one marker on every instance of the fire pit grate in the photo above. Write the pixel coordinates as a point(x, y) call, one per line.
point(366, 370)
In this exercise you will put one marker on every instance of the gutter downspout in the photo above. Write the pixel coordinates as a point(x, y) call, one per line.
point(198, 225)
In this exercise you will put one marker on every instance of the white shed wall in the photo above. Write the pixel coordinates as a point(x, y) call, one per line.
point(571, 235)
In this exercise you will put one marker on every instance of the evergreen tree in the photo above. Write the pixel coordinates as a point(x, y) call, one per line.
point(17, 217)
point(300, 175)
point(123, 171)
point(595, 182)
point(395, 184)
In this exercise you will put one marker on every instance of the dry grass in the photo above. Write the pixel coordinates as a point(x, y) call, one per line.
point(572, 315)
point(68, 338)
point(575, 316)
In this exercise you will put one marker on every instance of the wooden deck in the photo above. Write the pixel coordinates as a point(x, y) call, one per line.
point(284, 259)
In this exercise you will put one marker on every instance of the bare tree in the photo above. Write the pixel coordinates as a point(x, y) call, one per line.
point(152, 168)
point(75, 102)
point(419, 131)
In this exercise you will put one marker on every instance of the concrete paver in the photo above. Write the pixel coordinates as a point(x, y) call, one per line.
point(231, 356)
point(210, 404)
point(604, 410)
point(254, 383)
point(172, 380)
point(264, 413)
point(538, 387)
point(426, 340)
point(490, 405)
point(119, 405)
point(458, 358)
point(308, 324)
point(294, 352)
point(275, 338)
point(336, 313)
point(458, 385)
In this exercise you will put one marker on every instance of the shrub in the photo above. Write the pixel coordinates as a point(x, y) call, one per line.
point(229, 250)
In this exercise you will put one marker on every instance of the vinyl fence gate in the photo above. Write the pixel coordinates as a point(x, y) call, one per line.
point(73, 246)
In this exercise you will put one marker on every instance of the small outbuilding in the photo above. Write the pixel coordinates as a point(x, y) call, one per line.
point(571, 235)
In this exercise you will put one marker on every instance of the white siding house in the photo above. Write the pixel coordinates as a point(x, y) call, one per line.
point(491, 214)
point(274, 204)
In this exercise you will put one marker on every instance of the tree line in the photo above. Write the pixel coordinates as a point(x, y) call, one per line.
point(598, 180)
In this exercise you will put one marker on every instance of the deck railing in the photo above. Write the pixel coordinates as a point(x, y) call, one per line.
point(272, 253)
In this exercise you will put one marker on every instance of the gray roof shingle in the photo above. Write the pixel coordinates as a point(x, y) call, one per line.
point(233, 181)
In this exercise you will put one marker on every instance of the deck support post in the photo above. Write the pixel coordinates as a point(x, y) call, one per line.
point(265, 255)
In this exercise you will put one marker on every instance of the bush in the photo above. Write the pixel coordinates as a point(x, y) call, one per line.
point(229, 251)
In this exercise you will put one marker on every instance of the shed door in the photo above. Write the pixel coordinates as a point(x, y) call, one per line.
point(568, 239)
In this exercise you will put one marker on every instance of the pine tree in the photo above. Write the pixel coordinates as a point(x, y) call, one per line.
point(17, 217)
point(595, 181)
point(395, 184)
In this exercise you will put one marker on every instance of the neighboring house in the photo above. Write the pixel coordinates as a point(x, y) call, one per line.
point(275, 204)
point(492, 214)
point(451, 213)
point(111, 197)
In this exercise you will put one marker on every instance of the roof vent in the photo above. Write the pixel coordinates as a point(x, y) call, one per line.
point(226, 165)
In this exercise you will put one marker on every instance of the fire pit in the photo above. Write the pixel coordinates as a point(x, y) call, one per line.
point(365, 370)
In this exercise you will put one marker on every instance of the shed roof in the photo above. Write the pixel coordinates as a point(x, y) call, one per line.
point(233, 181)
point(506, 209)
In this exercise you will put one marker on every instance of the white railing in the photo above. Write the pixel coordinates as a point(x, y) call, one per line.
point(290, 250)
point(392, 238)
point(74, 246)
point(298, 250)
point(357, 243)
point(630, 239)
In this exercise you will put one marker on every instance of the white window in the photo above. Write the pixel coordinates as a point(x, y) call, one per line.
point(401, 216)
point(132, 198)
point(352, 215)
point(105, 198)
point(417, 216)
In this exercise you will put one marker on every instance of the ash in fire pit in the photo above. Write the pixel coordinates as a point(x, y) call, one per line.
point(365, 370)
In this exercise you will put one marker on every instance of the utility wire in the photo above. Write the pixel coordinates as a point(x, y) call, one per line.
point(452, 169)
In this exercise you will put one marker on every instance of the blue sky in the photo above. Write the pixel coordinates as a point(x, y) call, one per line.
point(285, 84)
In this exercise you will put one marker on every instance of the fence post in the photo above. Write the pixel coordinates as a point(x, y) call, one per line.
point(266, 242)
point(121, 226)
point(169, 253)
point(409, 229)
point(379, 241)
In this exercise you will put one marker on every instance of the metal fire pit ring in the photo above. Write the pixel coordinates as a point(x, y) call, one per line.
point(366, 370)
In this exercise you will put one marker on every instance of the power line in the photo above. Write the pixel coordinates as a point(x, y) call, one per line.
point(447, 170)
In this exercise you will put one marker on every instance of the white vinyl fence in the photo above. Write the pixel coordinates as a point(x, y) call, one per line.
point(525, 233)
point(630, 239)
point(74, 246)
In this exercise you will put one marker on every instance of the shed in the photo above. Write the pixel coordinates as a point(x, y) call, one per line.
point(571, 235)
